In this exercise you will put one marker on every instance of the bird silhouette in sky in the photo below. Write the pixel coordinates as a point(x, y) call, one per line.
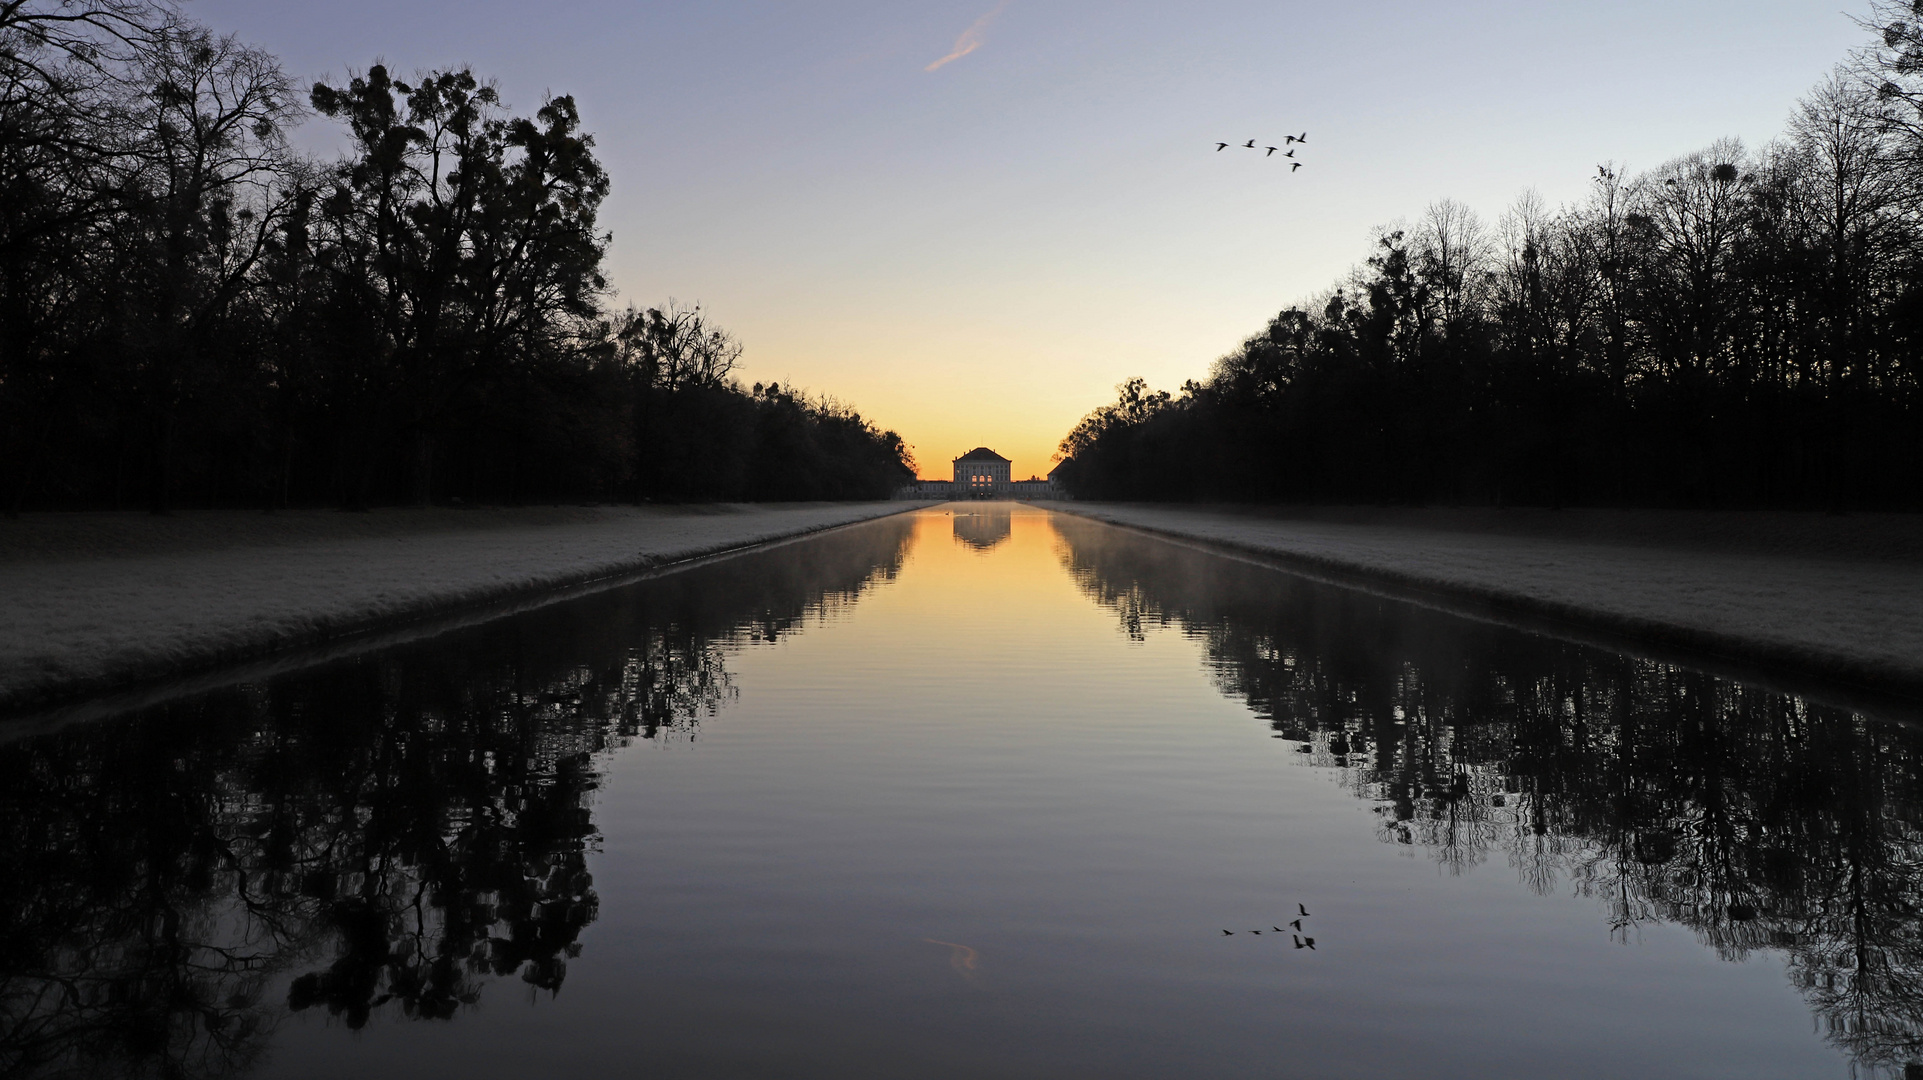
point(1304, 911)
point(1270, 151)
point(1303, 943)
point(1228, 933)
point(1296, 925)
point(1257, 933)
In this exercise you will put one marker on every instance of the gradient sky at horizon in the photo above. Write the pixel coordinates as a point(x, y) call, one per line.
point(976, 254)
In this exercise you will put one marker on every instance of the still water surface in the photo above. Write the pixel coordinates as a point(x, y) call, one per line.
point(970, 792)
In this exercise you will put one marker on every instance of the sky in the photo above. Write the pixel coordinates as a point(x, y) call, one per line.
point(971, 219)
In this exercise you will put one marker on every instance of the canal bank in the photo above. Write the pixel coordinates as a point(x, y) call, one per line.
point(96, 602)
point(1788, 598)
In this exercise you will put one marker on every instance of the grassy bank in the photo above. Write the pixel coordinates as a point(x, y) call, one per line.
point(1789, 598)
point(101, 601)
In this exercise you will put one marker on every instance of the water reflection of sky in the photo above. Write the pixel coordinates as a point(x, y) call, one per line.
point(884, 803)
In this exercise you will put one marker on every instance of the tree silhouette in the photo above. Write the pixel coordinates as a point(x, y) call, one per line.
point(1730, 328)
point(191, 311)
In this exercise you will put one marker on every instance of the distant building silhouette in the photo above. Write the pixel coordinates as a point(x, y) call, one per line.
point(981, 474)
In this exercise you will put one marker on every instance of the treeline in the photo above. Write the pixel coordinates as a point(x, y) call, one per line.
point(1731, 328)
point(191, 311)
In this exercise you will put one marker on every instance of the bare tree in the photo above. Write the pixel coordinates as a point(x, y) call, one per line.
point(206, 163)
point(1694, 208)
point(1847, 192)
point(65, 74)
point(1452, 253)
point(675, 345)
point(1521, 291)
point(1893, 65)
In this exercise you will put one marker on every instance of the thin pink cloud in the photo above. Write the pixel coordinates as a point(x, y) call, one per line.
point(970, 39)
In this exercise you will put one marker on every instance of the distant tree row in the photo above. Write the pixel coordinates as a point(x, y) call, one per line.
point(192, 311)
point(1731, 328)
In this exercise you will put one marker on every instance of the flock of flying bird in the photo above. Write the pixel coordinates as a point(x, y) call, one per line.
point(1301, 942)
point(1287, 140)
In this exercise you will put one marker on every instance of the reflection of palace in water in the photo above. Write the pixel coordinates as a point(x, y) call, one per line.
point(983, 529)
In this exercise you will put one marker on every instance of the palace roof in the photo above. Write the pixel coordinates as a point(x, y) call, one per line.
point(981, 453)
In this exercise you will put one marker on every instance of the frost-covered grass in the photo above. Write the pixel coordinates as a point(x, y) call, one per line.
point(89, 601)
point(1806, 594)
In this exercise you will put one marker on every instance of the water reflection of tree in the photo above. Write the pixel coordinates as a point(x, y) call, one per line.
point(1756, 819)
point(383, 834)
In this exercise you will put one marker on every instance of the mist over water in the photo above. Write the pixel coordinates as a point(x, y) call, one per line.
point(973, 791)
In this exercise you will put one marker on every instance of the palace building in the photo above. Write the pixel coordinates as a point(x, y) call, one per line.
point(981, 474)
point(981, 471)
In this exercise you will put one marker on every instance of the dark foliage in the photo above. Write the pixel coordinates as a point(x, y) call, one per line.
point(1728, 329)
point(190, 311)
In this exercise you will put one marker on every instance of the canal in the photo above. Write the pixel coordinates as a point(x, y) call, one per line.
point(982, 790)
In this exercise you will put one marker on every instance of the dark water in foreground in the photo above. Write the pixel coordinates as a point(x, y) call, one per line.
point(968, 794)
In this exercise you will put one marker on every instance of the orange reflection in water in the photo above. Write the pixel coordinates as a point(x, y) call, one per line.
point(993, 558)
point(982, 602)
